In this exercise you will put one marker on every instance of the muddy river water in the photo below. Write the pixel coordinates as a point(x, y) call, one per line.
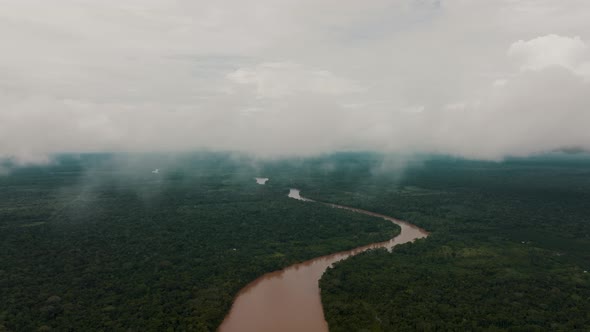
point(289, 299)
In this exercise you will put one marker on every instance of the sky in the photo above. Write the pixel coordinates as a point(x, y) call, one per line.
point(471, 78)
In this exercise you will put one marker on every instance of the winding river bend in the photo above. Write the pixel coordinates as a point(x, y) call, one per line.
point(289, 299)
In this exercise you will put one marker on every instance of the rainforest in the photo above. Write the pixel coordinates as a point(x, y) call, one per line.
point(101, 242)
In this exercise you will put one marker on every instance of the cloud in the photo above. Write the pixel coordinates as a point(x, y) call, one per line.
point(542, 52)
point(483, 79)
point(500, 82)
point(535, 112)
point(281, 79)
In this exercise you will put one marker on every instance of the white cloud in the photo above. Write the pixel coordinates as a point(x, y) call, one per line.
point(414, 109)
point(500, 82)
point(552, 50)
point(475, 78)
point(539, 111)
point(281, 79)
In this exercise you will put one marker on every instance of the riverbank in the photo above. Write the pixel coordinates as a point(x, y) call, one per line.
point(289, 299)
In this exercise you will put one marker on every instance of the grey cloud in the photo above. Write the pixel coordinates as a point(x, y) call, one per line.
point(483, 79)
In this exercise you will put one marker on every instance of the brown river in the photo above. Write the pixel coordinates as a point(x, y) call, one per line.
point(289, 299)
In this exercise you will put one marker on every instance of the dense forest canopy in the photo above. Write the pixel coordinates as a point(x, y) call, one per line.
point(101, 242)
point(509, 250)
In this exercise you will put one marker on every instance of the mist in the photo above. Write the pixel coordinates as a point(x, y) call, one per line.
point(475, 79)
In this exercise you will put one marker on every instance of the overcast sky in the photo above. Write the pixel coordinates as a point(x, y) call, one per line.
point(475, 78)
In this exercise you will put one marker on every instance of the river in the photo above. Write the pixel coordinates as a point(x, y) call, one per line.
point(289, 299)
